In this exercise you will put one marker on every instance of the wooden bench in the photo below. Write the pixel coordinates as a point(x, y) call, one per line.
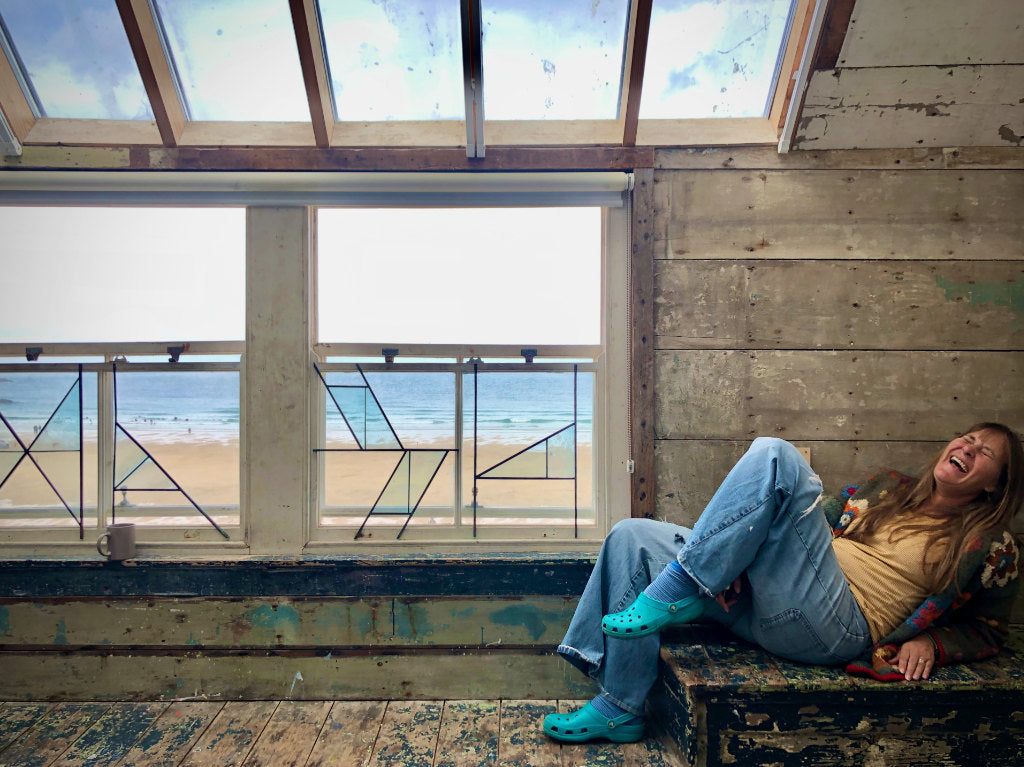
point(726, 702)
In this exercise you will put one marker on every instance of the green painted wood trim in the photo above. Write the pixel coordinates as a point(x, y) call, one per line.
point(269, 622)
point(422, 675)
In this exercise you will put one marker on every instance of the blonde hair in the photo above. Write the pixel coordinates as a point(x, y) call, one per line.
point(958, 527)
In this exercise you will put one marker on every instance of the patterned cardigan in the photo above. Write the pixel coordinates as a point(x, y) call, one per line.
point(968, 620)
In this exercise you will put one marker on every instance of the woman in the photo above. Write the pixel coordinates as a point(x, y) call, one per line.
point(923, 571)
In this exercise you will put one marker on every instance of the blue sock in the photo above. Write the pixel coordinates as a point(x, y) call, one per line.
point(608, 709)
point(672, 584)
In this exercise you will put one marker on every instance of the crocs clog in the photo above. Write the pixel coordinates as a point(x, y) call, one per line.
point(587, 723)
point(647, 616)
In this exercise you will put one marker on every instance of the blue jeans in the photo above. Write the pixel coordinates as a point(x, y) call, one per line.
point(764, 523)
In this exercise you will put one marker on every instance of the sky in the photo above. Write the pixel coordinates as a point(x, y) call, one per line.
point(396, 275)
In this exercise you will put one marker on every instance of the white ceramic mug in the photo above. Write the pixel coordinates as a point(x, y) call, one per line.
point(120, 541)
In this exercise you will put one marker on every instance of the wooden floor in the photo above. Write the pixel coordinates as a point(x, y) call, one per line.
point(304, 734)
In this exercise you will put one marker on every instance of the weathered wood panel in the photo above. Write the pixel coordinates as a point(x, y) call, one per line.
point(113, 735)
point(913, 106)
point(847, 395)
point(522, 741)
point(643, 249)
point(230, 738)
point(17, 717)
point(750, 304)
point(284, 622)
point(768, 158)
point(254, 675)
point(172, 736)
point(349, 734)
point(52, 734)
point(791, 214)
point(469, 733)
point(941, 32)
point(407, 733)
point(290, 735)
point(328, 576)
point(690, 470)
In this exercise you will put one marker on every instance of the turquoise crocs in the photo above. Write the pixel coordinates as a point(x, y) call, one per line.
point(588, 724)
point(646, 616)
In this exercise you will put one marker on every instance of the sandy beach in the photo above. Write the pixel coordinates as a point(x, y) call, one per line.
point(208, 470)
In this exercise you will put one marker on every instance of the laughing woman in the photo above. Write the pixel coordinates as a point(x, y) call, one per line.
point(892, 578)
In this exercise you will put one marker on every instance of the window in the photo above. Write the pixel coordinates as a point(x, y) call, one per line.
point(94, 425)
point(461, 365)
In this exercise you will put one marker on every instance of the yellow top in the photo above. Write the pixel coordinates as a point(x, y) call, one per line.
point(886, 577)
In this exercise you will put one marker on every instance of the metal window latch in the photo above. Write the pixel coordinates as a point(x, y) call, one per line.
point(175, 352)
point(389, 355)
point(32, 353)
point(528, 355)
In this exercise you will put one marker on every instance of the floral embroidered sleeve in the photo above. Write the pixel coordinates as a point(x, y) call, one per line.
point(977, 623)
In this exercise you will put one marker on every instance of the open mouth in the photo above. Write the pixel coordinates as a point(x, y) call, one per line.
point(959, 464)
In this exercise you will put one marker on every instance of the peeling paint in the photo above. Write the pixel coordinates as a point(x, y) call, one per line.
point(1008, 294)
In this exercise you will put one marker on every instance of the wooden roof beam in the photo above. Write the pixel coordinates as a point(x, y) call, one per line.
point(15, 106)
point(314, 69)
point(473, 77)
point(635, 74)
point(154, 69)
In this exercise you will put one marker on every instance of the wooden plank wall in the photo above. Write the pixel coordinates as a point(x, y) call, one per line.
point(934, 73)
point(866, 313)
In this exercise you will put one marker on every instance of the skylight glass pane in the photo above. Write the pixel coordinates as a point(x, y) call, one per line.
point(394, 61)
point(554, 60)
point(75, 59)
point(713, 59)
point(235, 59)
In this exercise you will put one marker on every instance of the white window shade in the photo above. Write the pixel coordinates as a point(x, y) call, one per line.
point(603, 189)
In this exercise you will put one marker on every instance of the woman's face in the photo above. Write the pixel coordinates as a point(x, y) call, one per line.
point(971, 465)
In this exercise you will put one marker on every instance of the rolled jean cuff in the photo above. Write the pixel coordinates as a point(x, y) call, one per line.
point(624, 706)
point(587, 665)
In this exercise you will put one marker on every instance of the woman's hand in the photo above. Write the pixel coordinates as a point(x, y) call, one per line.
point(730, 596)
point(916, 658)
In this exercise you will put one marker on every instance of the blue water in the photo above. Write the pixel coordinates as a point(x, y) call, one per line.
point(510, 407)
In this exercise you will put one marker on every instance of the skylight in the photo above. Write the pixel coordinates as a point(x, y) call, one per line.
point(380, 73)
point(235, 59)
point(394, 61)
point(553, 60)
point(74, 59)
point(713, 59)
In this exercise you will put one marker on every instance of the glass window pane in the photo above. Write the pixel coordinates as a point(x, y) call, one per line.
point(122, 274)
point(235, 59)
point(42, 472)
point(75, 58)
point(560, 61)
point(460, 276)
point(177, 430)
point(713, 59)
point(394, 61)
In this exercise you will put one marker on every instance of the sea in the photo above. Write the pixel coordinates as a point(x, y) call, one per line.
point(506, 407)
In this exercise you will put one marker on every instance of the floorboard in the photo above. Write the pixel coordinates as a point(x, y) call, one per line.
point(397, 733)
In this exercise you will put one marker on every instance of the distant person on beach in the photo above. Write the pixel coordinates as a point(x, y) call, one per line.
point(891, 578)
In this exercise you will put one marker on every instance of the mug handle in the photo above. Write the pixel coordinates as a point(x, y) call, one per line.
point(105, 538)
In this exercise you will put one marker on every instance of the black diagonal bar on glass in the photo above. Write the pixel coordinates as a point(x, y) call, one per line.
point(360, 408)
point(141, 459)
point(540, 460)
point(408, 484)
point(73, 446)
